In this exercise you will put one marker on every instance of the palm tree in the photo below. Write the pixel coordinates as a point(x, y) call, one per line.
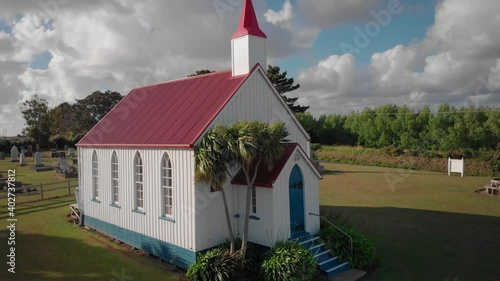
point(212, 162)
point(252, 144)
point(247, 144)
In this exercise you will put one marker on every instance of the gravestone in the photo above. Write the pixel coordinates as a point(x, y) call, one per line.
point(22, 160)
point(37, 147)
point(14, 154)
point(64, 165)
point(2, 156)
point(71, 152)
point(38, 159)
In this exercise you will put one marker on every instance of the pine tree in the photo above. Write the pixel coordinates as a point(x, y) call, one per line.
point(285, 85)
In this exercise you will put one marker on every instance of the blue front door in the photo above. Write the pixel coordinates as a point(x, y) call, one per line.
point(297, 223)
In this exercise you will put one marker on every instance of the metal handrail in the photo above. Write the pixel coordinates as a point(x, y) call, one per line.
point(343, 232)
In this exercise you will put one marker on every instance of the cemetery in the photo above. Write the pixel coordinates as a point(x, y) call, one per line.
point(55, 173)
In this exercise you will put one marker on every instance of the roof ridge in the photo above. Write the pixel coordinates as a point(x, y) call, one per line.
point(185, 78)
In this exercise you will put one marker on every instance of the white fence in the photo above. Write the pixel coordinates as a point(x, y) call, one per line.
point(456, 166)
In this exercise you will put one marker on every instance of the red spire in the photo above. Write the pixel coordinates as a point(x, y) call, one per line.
point(248, 22)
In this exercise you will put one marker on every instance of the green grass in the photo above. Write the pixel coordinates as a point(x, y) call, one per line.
point(49, 248)
point(427, 226)
point(30, 177)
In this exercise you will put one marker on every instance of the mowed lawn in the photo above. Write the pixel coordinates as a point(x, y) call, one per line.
point(49, 248)
point(427, 226)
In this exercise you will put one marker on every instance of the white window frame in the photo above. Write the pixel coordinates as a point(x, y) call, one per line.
point(95, 176)
point(138, 182)
point(167, 187)
point(115, 190)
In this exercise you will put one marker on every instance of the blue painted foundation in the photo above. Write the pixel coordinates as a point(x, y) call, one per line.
point(166, 251)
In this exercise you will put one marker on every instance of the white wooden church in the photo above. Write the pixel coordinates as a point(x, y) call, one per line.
point(137, 168)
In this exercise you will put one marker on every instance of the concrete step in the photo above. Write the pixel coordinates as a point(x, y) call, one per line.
point(349, 275)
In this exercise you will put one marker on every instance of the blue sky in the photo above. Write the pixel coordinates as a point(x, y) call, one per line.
point(432, 52)
point(407, 27)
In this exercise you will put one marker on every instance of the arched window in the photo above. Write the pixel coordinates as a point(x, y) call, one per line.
point(95, 176)
point(114, 179)
point(138, 182)
point(166, 186)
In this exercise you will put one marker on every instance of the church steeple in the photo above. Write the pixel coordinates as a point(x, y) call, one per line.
point(249, 25)
point(248, 44)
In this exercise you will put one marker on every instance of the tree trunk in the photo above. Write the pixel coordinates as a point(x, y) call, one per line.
point(250, 182)
point(228, 221)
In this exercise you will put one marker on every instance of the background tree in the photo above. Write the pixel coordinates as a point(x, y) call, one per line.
point(36, 115)
point(63, 120)
point(93, 108)
point(285, 85)
point(201, 72)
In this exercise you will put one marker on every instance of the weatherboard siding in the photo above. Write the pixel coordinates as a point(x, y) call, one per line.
point(256, 101)
point(210, 216)
point(180, 231)
point(166, 251)
point(281, 198)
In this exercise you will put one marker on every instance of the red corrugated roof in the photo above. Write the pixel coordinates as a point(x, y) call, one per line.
point(171, 114)
point(265, 176)
point(249, 25)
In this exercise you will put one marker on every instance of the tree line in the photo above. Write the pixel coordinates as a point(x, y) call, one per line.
point(450, 128)
point(66, 123)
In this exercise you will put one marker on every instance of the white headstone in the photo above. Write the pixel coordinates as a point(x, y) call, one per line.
point(14, 154)
point(64, 165)
point(71, 152)
point(22, 159)
point(38, 159)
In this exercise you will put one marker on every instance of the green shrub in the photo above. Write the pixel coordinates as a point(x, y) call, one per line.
point(214, 265)
point(315, 146)
point(340, 245)
point(289, 261)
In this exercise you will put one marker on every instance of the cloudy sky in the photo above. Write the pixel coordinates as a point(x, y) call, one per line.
point(346, 54)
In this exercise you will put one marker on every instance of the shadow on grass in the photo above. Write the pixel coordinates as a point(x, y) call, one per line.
point(38, 208)
point(428, 245)
point(40, 257)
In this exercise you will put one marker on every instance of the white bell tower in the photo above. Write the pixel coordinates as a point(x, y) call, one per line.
point(248, 44)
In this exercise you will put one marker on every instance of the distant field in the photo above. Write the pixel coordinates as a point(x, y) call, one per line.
point(427, 226)
point(398, 158)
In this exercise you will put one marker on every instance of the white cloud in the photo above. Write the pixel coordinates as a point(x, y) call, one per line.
point(458, 62)
point(282, 18)
point(302, 37)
